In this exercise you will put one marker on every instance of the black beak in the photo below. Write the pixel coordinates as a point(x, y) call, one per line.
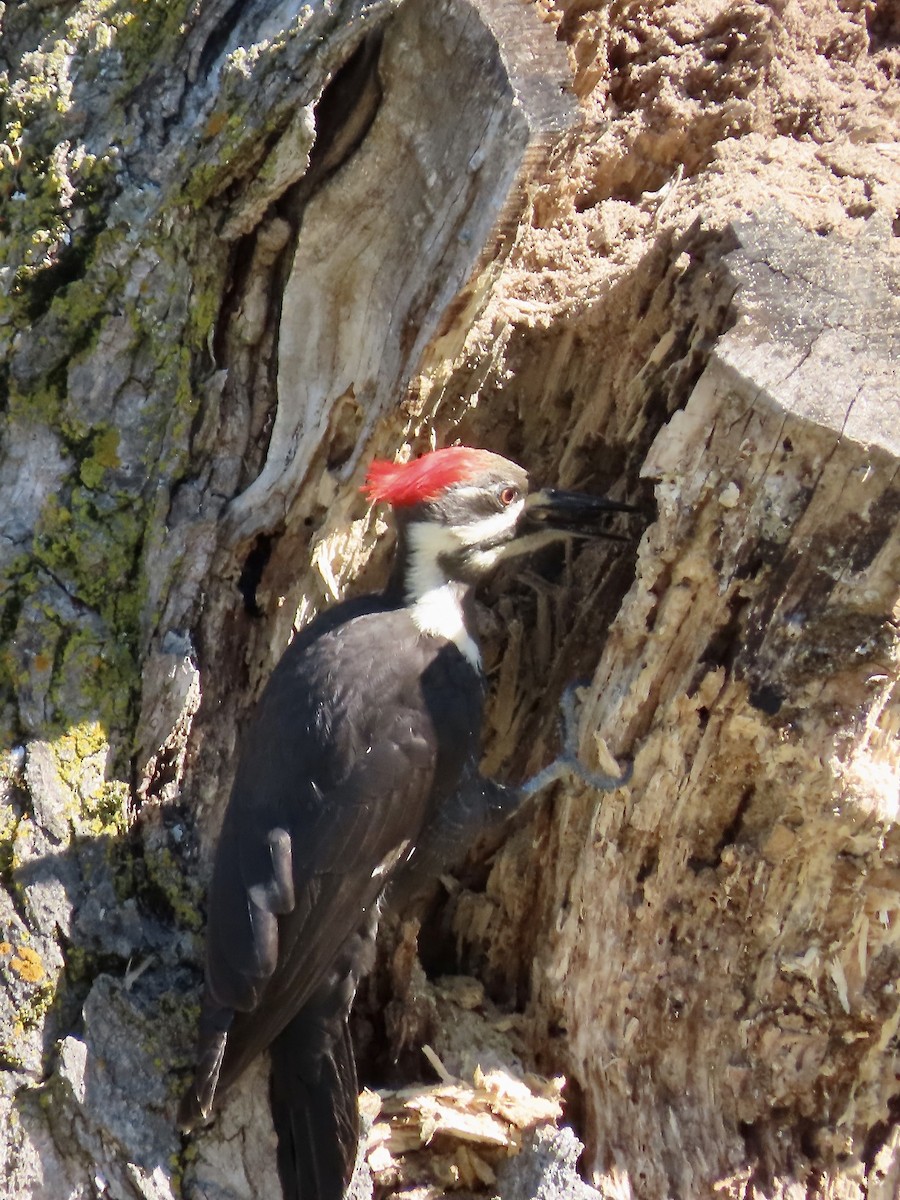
point(573, 512)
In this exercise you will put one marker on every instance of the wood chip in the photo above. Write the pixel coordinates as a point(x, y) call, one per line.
point(466, 1128)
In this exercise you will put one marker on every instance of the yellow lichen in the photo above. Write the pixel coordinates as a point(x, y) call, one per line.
point(27, 965)
point(99, 805)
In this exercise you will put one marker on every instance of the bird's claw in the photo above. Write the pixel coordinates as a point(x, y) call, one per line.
point(568, 762)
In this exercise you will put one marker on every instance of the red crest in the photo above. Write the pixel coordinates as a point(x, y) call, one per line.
point(403, 484)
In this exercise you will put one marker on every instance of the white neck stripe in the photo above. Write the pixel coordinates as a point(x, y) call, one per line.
point(439, 613)
point(435, 603)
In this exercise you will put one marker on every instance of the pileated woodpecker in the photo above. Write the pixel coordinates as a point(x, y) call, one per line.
point(361, 763)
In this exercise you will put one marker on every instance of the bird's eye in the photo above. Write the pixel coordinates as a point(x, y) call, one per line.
point(508, 495)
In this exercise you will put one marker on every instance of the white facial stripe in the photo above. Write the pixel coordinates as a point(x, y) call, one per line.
point(427, 544)
point(436, 603)
point(488, 527)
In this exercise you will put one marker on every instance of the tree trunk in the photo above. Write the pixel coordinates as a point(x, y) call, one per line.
point(247, 247)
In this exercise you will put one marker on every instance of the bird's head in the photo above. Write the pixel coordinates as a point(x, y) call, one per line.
point(462, 511)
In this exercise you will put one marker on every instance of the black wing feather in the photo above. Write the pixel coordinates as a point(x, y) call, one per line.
point(327, 797)
point(312, 935)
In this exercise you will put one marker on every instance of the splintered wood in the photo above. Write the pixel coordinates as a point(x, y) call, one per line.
point(453, 1134)
point(720, 939)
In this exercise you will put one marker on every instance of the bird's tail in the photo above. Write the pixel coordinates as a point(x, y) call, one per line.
point(314, 1107)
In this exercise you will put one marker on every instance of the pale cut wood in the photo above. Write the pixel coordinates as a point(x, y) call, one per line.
point(726, 957)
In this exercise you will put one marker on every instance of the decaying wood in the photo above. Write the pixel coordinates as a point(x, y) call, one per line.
point(464, 1127)
point(719, 938)
point(231, 233)
point(246, 247)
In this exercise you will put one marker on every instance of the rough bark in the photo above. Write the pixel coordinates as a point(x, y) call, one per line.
point(247, 246)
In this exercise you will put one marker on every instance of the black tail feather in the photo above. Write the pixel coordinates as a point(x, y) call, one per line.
point(314, 1107)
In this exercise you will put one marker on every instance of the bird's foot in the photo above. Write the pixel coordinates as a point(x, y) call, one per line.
point(568, 763)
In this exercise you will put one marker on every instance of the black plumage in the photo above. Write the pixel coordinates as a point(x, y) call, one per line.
point(359, 770)
point(328, 802)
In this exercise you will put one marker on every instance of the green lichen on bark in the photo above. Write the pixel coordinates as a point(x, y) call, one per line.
point(53, 189)
point(72, 268)
point(99, 805)
point(107, 301)
point(166, 874)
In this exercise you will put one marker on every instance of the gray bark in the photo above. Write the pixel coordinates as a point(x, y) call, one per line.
point(244, 248)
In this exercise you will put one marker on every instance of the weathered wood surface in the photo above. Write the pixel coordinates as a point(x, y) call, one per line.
point(719, 939)
point(229, 234)
point(183, 189)
point(387, 247)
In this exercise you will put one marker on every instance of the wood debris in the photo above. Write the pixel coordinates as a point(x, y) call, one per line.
point(453, 1134)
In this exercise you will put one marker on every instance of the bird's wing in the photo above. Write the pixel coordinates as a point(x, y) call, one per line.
point(337, 774)
point(329, 796)
point(279, 959)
